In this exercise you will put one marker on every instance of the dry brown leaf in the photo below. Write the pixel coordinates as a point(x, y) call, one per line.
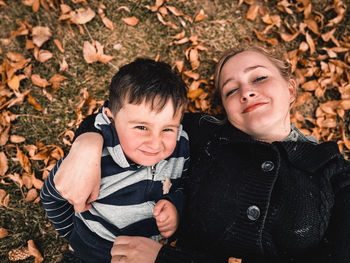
point(65, 8)
point(17, 254)
point(31, 195)
point(312, 25)
point(13, 83)
point(15, 56)
point(179, 65)
point(181, 41)
point(131, 21)
point(194, 94)
point(156, 6)
point(33, 251)
point(17, 138)
point(100, 55)
point(180, 35)
point(201, 16)
point(302, 98)
point(191, 74)
point(41, 35)
point(27, 180)
point(328, 35)
point(3, 197)
point(107, 22)
point(288, 37)
point(38, 184)
point(38, 81)
point(89, 52)
point(167, 23)
point(4, 136)
point(271, 41)
point(23, 160)
point(3, 164)
point(345, 104)
point(252, 12)
point(310, 85)
point(63, 65)
point(193, 57)
point(58, 45)
point(326, 123)
point(42, 55)
point(55, 80)
point(29, 44)
point(3, 232)
point(34, 102)
point(81, 15)
point(3, 3)
point(310, 42)
point(330, 107)
point(16, 179)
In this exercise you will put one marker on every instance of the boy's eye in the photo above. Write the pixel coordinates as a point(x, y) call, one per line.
point(168, 130)
point(143, 128)
point(259, 79)
point(230, 92)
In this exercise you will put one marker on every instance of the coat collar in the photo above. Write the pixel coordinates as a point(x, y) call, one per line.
point(304, 155)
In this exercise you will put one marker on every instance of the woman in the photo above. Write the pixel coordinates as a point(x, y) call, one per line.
point(258, 189)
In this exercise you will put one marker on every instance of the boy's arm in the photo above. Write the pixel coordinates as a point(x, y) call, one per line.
point(78, 177)
point(59, 211)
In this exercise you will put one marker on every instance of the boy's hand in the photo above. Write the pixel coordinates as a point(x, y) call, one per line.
point(166, 216)
point(78, 177)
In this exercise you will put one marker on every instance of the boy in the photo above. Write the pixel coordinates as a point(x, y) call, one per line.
point(144, 155)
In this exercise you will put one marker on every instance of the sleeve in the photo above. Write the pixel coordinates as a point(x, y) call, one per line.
point(87, 126)
point(338, 234)
point(59, 210)
point(176, 194)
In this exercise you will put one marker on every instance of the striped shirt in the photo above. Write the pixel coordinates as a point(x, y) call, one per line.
point(128, 192)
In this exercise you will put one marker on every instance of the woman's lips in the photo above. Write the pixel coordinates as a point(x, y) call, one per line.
point(253, 107)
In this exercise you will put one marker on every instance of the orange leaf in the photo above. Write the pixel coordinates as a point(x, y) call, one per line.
point(191, 74)
point(65, 8)
point(34, 102)
point(38, 184)
point(23, 159)
point(3, 232)
point(107, 22)
point(345, 104)
point(89, 52)
point(302, 98)
point(310, 85)
point(42, 55)
point(27, 180)
point(131, 21)
point(194, 94)
point(4, 136)
point(17, 138)
point(194, 58)
point(3, 164)
point(252, 12)
point(312, 25)
point(16, 179)
point(201, 16)
point(33, 251)
point(15, 56)
point(13, 83)
point(180, 35)
point(55, 81)
point(328, 35)
point(38, 81)
point(179, 65)
point(288, 37)
point(82, 15)
point(310, 42)
point(41, 35)
point(31, 195)
point(63, 65)
point(58, 45)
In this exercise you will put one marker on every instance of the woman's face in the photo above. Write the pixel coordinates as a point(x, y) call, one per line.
point(256, 97)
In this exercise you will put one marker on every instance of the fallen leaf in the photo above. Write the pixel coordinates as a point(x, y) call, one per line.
point(3, 232)
point(58, 45)
point(41, 35)
point(17, 138)
point(38, 81)
point(252, 12)
point(81, 15)
point(55, 80)
point(34, 102)
point(63, 65)
point(42, 55)
point(131, 21)
point(31, 195)
point(33, 251)
point(201, 16)
point(16, 179)
point(193, 57)
point(23, 160)
point(4, 136)
point(192, 95)
point(310, 42)
point(13, 83)
point(38, 184)
point(3, 164)
point(107, 22)
point(310, 85)
point(89, 52)
point(288, 37)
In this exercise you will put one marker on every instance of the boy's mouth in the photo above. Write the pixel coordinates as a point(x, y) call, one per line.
point(149, 153)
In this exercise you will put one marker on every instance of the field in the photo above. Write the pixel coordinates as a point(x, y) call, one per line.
point(57, 58)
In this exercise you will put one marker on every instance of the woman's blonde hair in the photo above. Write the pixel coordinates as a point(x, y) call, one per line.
point(283, 66)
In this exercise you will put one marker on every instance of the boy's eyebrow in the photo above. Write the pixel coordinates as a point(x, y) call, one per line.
point(245, 71)
point(147, 123)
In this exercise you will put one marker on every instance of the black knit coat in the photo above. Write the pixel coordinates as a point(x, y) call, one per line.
point(265, 203)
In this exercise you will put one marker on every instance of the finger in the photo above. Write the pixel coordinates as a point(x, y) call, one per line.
point(167, 234)
point(94, 194)
point(120, 240)
point(81, 207)
point(158, 208)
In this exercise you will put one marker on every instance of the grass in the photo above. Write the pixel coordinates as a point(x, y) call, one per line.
point(224, 27)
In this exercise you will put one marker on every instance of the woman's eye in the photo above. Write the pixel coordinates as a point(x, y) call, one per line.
point(143, 128)
point(258, 79)
point(230, 92)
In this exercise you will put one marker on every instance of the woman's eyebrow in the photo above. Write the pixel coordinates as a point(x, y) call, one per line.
point(245, 71)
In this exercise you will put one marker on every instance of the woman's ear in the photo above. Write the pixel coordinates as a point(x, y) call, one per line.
point(292, 86)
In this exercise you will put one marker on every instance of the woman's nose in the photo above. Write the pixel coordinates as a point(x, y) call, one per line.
point(247, 95)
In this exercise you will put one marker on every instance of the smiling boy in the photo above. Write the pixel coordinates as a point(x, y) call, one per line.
point(144, 155)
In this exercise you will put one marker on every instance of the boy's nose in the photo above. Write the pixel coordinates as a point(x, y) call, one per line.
point(154, 143)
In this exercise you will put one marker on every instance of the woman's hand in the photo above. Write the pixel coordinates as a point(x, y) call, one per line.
point(134, 250)
point(166, 217)
point(78, 177)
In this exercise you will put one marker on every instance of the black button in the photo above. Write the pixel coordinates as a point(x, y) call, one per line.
point(253, 212)
point(267, 166)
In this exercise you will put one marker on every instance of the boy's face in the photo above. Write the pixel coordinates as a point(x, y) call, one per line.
point(146, 136)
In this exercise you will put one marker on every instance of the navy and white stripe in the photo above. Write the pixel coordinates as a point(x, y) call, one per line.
point(128, 192)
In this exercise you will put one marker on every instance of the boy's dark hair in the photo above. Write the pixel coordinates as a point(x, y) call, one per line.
point(146, 79)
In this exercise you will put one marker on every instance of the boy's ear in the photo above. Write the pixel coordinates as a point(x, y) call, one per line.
point(108, 113)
